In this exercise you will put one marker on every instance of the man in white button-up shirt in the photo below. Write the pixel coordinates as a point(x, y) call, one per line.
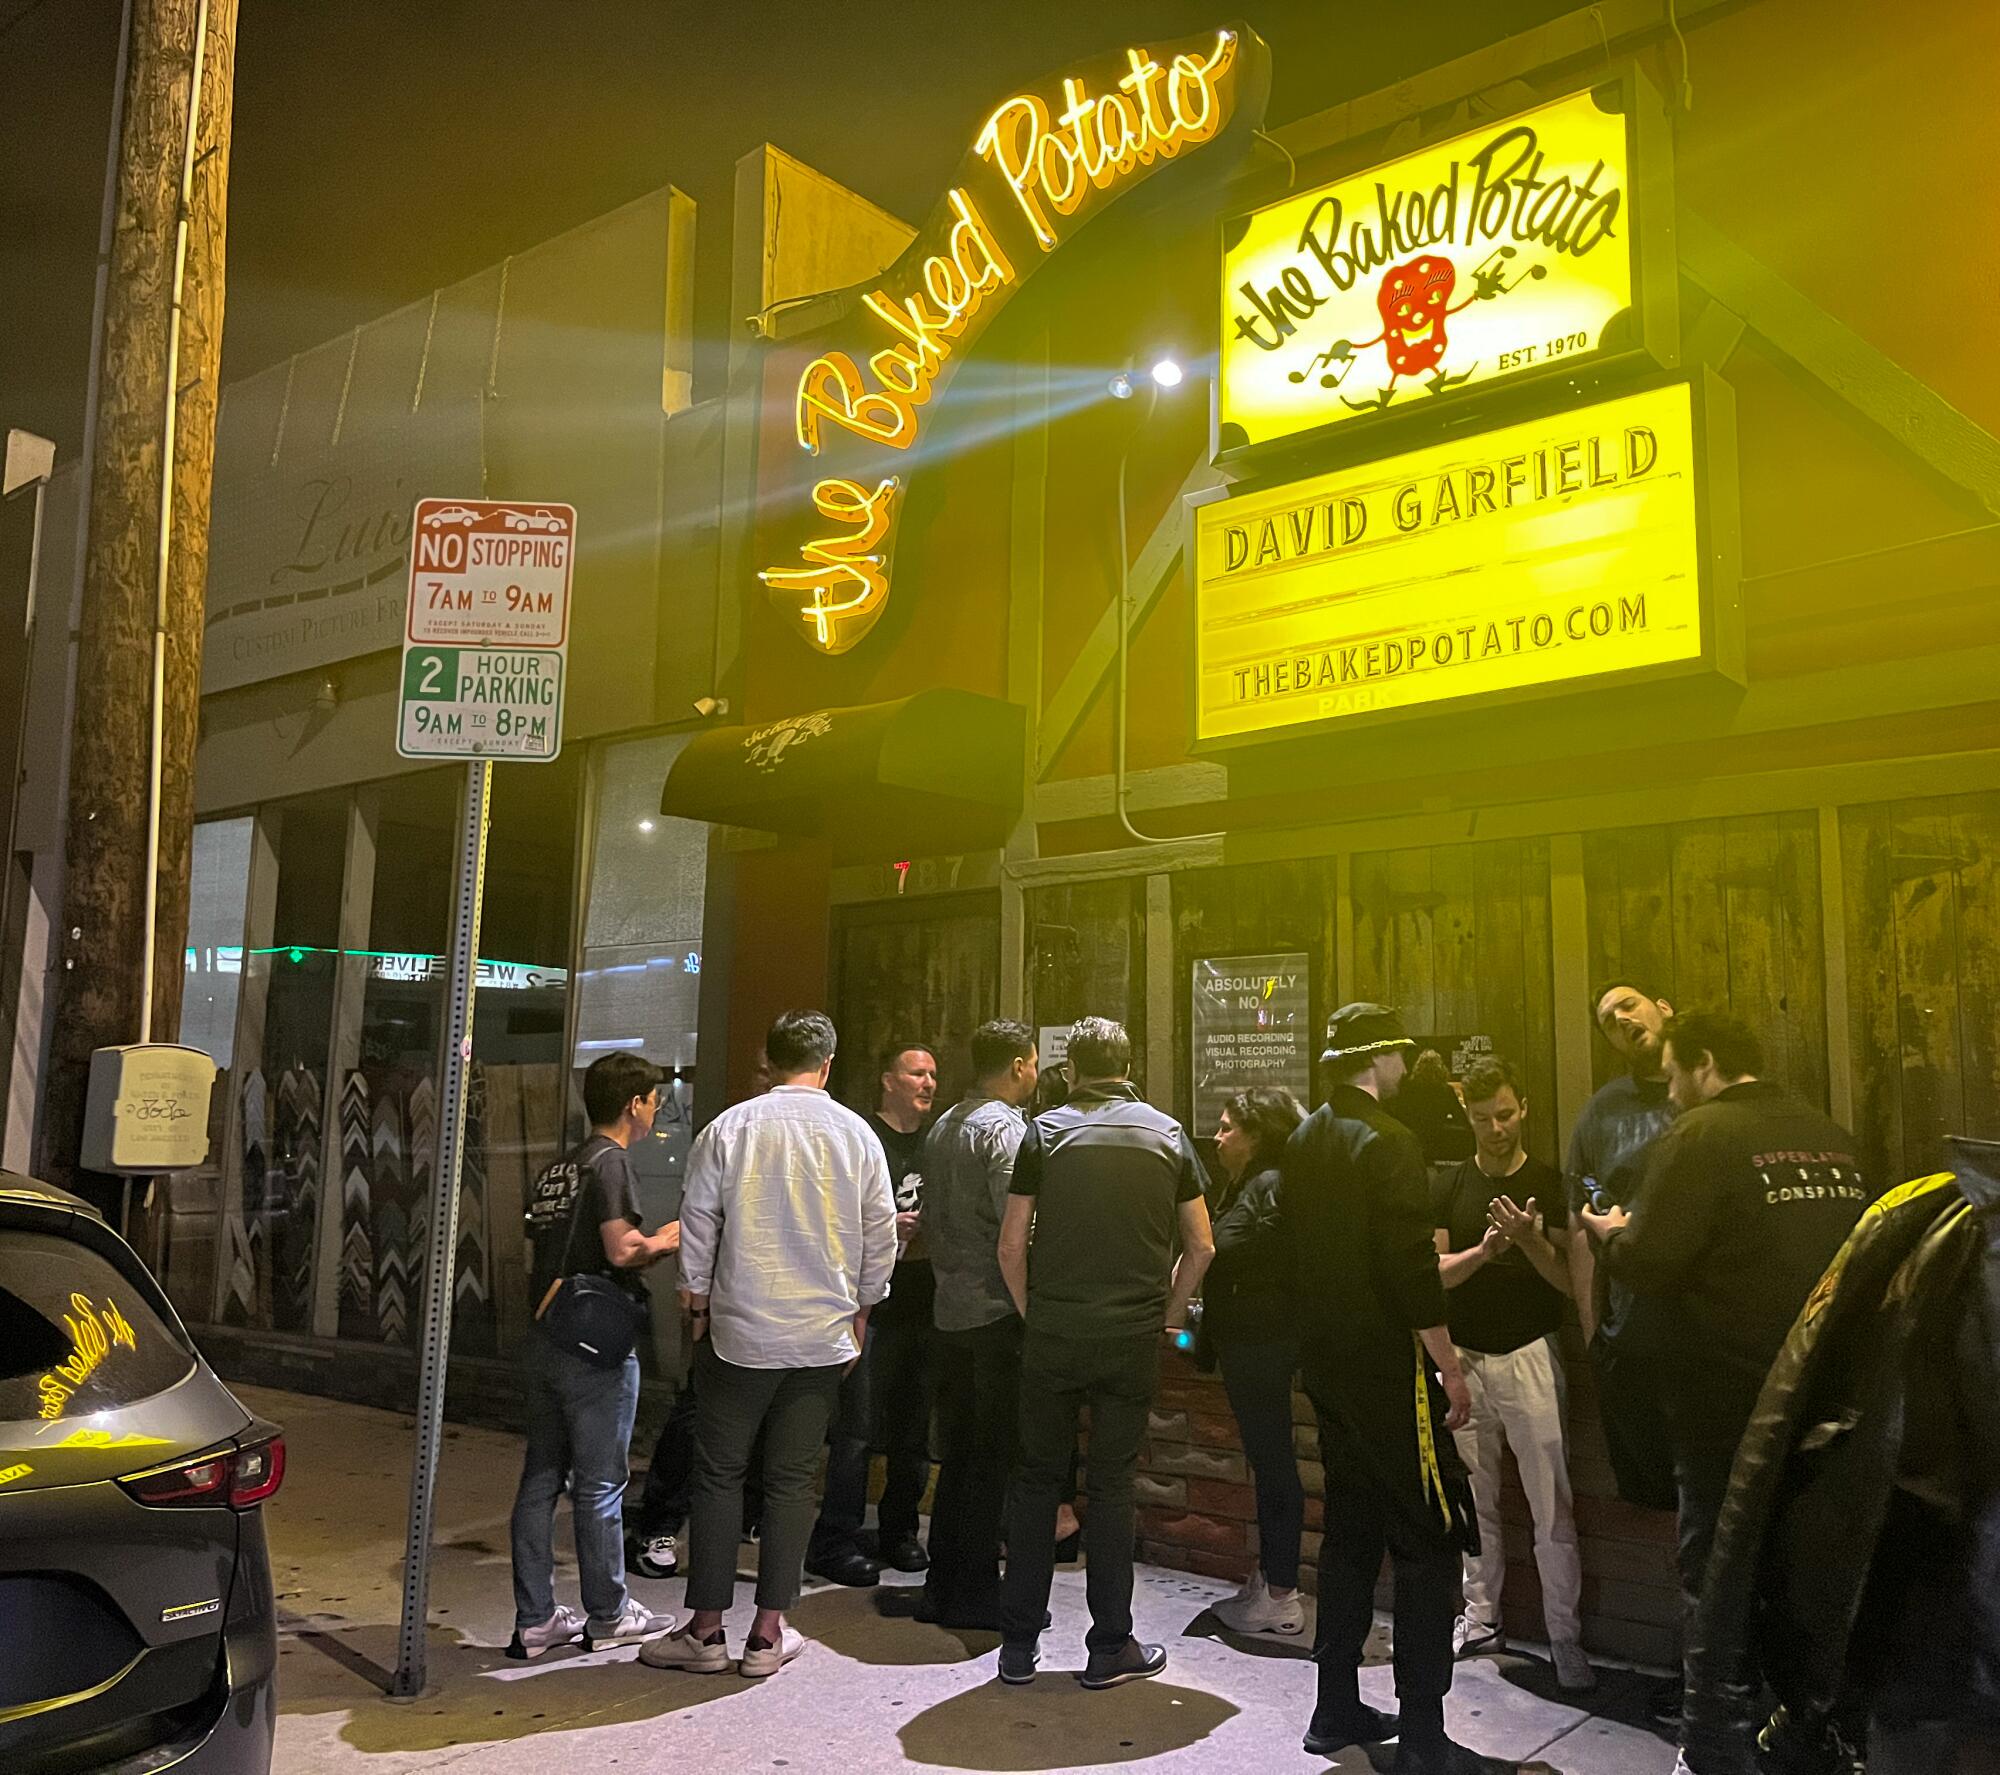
point(788, 1239)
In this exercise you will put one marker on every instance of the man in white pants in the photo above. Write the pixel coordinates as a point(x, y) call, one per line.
point(1500, 1222)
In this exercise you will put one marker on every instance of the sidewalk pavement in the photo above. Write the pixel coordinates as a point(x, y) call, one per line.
point(867, 1695)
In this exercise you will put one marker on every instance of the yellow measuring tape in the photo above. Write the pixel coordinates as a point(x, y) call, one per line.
point(1427, 1437)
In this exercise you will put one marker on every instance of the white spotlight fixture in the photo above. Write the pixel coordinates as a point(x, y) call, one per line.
point(1121, 387)
point(1167, 373)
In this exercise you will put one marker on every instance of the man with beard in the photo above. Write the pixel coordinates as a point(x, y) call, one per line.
point(891, 1384)
point(1386, 1384)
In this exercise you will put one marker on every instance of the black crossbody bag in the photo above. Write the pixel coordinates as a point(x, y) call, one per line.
point(590, 1315)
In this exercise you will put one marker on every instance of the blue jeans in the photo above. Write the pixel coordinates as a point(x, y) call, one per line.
point(580, 1427)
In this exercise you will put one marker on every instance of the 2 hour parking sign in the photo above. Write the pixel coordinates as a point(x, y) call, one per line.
point(487, 639)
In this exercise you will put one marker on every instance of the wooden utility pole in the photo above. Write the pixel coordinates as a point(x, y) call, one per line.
point(98, 984)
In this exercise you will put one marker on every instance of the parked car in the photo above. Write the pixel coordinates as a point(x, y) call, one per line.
point(138, 1630)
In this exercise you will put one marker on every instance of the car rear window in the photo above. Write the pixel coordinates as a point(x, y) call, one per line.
point(75, 1336)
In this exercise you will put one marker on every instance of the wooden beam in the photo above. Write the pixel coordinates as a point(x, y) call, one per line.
point(1077, 694)
point(1160, 992)
point(1908, 412)
point(1713, 339)
point(1569, 952)
point(1026, 568)
point(1833, 934)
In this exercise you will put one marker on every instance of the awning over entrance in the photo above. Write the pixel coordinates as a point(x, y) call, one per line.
point(938, 771)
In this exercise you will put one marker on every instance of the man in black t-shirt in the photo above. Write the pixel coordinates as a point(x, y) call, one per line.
point(1107, 1183)
point(1501, 1239)
point(583, 1219)
point(887, 1396)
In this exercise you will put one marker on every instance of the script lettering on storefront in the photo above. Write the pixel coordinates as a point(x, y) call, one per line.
point(1499, 253)
point(1540, 554)
point(1039, 167)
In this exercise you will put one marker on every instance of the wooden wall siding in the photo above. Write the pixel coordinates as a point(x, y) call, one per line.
point(1250, 909)
point(1456, 938)
point(1718, 913)
point(1086, 945)
point(913, 975)
point(1923, 926)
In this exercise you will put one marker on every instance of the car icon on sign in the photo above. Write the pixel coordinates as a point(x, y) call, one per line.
point(539, 519)
point(453, 514)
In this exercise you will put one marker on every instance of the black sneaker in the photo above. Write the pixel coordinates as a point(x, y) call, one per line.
point(1334, 1729)
point(652, 1556)
point(906, 1554)
point(853, 1569)
point(1435, 1754)
point(1018, 1663)
point(1106, 1670)
point(905, 1602)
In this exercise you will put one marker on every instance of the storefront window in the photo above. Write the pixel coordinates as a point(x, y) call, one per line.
point(219, 887)
point(271, 1204)
point(641, 984)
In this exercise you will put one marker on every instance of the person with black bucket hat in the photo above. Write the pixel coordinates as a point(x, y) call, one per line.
point(1386, 1386)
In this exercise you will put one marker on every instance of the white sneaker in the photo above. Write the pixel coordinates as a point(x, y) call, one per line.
point(769, 1660)
point(1469, 1636)
point(563, 1628)
point(635, 1626)
point(1573, 1673)
point(682, 1651)
point(1262, 1612)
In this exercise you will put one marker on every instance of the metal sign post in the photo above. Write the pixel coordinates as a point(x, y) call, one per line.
point(440, 1266)
point(484, 649)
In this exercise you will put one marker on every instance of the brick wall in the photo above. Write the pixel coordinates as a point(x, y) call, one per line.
point(1198, 1512)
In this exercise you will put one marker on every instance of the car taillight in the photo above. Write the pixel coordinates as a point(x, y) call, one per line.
point(258, 1472)
point(241, 1478)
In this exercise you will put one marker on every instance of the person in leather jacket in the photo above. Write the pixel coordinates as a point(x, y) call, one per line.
point(1385, 1382)
point(1249, 1325)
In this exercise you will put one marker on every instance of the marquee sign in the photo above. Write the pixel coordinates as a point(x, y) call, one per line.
point(1042, 164)
point(1521, 248)
point(1538, 557)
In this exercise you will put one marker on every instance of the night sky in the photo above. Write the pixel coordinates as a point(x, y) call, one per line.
point(386, 147)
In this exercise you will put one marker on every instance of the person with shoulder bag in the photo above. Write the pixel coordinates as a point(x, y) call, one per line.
point(1250, 1325)
point(588, 1244)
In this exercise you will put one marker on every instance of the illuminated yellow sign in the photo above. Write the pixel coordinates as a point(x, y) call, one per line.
point(1039, 167)
point(1539, 554)
point(1500, 253)
point(94, 1332)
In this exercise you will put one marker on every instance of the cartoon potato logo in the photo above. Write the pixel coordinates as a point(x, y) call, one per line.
point(1415, 301)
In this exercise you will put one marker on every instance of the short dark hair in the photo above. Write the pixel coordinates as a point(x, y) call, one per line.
point(894, 1051)
point(800, 1041)
point(611, 1082)
point(1099, 1049)
point(1488, 1077)
point(1645, 988)
point(1268, 1114)
point(1726, 1039)
point(996, 1045)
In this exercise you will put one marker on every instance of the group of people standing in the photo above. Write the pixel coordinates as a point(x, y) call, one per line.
point(849, 1281)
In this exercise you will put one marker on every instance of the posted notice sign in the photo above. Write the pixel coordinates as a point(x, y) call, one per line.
point(487, 637)
point(1251, 1026)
